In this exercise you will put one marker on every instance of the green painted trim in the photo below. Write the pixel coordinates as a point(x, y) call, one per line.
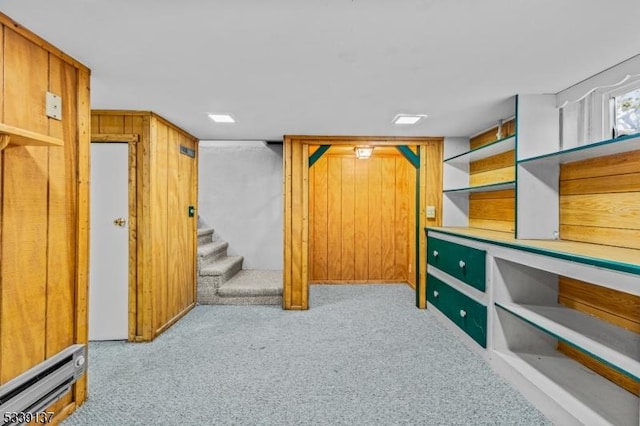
point(319, 153)
point(515, 166)
point(570, 343)
point(581, 148)
point(413, 158)
point(418, 239)
point(484, 188)
point(592, 261)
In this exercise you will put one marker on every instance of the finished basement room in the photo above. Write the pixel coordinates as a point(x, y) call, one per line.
point(319, 213)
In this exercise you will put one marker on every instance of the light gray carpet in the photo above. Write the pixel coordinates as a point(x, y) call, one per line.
point(363, 355)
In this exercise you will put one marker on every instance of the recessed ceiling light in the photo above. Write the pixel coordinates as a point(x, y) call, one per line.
point(222, 118)
point(408, 118)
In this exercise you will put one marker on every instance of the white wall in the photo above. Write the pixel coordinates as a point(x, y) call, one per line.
point(240, 196)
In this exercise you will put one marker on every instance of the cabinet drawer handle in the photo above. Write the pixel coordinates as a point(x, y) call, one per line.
point(435, 293)
point(462, 264)
point(463, 313)
point(435, 253)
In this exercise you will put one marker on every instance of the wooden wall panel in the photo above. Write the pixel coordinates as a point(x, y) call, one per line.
point(43, 208)
point(492, 210)
point(599, 200)
point(369, 207)
point(490, 136)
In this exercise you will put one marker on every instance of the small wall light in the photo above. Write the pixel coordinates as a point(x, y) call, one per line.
point(363, 152)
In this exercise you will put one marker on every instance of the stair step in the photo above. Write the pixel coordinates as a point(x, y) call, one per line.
point(211, 251)
point(205, 235)
point(253, 283)
point(228, 265)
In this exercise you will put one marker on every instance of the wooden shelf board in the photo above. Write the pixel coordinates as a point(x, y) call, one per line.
point(28, 138)
point(612, 345)
point(485, 151)
point(585, 152)
point(588, 396)
point(616, 258)
point(483, 188)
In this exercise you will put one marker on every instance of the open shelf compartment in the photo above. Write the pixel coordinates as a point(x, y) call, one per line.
point(494, 148)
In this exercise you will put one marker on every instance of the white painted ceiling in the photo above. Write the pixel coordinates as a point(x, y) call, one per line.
point(331, 67)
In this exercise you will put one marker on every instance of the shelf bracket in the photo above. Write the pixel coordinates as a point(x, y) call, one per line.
point(4, 141)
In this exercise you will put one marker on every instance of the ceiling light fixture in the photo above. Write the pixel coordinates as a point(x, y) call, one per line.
point(408, 118)
point(363, 152)
point(222, 118)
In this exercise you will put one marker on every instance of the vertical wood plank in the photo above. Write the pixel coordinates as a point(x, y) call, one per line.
point(388, 218)
point(81, 207)
point(312, 219)
point(133, 246)
point(61, 256)
point(412, 223)
point(304, 276)
point(403, 191)
point(287, 186)
point(347, 267)
point(320, 224)
point(2, 91)
point(375, 218)
point(361, 220)
point(334, 217)
point(25, 61)
point(176, 213)
point(297, 226)
point(146, 276)
point(160, 225)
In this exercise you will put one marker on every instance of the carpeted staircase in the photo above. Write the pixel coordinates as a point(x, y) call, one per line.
point(222, 281)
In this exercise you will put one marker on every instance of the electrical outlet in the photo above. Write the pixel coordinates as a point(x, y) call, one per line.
point(53, 106)
point(431, 212)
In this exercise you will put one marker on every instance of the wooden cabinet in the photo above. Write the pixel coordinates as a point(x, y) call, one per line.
point(163, 190)
point(561, 242)
point(460, 261)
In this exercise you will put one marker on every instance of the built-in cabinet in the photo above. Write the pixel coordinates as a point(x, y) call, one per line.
point(163, 190)
point(552, 297)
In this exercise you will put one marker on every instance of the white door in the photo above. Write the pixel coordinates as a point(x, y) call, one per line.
point(109, 256)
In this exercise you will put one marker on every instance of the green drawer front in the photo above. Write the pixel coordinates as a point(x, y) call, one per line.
point(465, 312)
point(465, 263)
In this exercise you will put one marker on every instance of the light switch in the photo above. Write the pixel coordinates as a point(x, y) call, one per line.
point(54, 106)
point(431, 212)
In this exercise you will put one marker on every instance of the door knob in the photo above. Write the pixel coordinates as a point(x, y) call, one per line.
point(121, 222)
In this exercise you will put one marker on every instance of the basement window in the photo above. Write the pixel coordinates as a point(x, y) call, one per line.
point(625, 109)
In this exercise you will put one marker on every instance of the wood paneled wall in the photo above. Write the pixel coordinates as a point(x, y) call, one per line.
point(492, 210)
point(362, 218)
point(162, 248)
point(297, 206)
point(600, 200)
point(44, 208)
point(600, 203)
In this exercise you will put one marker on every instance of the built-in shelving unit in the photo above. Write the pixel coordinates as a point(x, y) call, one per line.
point(610, 344)
point(562, 289)
point(21, 137)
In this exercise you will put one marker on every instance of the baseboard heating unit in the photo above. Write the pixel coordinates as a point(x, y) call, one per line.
point(42, 385)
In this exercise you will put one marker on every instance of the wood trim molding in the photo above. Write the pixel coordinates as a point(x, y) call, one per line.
point(113, 137)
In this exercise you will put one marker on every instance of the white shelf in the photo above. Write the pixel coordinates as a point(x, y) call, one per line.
point(613, 345)
point(482, 188)
point(590, 397)
point(494, 148)
point(585, 152)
